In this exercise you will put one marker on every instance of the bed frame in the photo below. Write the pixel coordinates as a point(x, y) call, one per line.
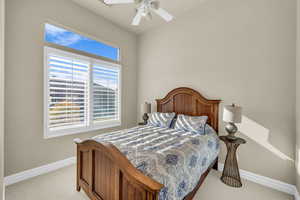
point(104, 173)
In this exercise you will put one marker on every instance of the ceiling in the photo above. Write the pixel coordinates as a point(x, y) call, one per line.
point(122, 15)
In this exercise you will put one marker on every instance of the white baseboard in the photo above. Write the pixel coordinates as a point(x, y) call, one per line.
point(15, 178)
point(259, 179)
point(268, 182)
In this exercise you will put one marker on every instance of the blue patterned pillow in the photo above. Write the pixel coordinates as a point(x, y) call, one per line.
point(192, 124)
point(161, 119)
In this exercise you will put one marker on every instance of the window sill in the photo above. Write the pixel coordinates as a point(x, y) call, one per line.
point(60, 133)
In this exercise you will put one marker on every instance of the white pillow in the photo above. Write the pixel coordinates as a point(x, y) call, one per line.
point(193, 124)
point(163, 120)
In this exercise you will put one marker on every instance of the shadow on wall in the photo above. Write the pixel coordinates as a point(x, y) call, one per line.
point(260, 134)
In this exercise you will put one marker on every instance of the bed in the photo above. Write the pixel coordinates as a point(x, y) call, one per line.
point(142, 163)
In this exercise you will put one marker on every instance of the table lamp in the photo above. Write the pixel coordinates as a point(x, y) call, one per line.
point(232, 114)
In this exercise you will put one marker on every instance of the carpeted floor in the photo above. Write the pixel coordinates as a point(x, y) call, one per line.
point(60, 185)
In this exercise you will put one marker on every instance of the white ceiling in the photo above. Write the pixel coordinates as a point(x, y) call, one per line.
point(122, 15)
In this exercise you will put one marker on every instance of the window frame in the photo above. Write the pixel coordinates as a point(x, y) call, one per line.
point(91, 125)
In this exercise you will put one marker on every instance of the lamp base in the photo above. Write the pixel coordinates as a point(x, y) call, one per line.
point(231, 129)
point(145, 118)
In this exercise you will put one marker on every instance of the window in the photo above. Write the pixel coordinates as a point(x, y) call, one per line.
point(62, 37)
point(81, 93)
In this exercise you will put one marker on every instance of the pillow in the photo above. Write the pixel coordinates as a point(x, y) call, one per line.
point(163, 120)
point(193, 124)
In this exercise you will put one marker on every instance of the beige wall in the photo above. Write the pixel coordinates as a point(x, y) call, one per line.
point(241, 52)
point(2, 14)
point(25, 147)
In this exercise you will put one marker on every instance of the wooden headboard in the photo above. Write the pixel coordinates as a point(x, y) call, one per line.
point(190, 102)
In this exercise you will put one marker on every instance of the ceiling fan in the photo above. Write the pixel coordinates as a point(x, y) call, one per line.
point(144, 8)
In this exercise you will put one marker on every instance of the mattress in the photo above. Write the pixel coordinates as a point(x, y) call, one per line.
point(174, 158)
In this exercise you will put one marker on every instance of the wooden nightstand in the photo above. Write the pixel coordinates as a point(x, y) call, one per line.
point(142, 124)
point(231, 174)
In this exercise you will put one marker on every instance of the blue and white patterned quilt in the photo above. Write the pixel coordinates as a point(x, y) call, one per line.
point(174, 158)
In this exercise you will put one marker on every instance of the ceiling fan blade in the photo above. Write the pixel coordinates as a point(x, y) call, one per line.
point(137, 18)
point(164, 14)
point(118, 1)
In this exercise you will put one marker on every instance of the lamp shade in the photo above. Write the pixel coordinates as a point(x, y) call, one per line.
point(146, 107)
point(232, 114)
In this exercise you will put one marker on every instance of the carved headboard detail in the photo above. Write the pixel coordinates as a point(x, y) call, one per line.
point(190, 102)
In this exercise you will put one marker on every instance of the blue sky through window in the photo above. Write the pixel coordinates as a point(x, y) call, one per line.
point(63, 37)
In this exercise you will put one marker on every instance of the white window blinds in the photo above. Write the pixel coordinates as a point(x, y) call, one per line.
point(81, 93)
point(105, 93)
point(68, 92)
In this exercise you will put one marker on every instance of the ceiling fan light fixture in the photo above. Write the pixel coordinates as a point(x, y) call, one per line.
point(144, 13)
point(144, 9)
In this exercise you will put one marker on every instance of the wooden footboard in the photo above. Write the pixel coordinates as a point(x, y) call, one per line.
point(104, 173)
